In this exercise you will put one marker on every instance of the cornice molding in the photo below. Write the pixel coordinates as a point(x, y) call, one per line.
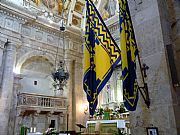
point(32, 21)
point(15, 13)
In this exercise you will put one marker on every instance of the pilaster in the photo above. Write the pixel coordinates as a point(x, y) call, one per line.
point(174, 25)
point(35, 119)
point(152, 35)
point(13, 110)
point(7, 87)
point(71, 107)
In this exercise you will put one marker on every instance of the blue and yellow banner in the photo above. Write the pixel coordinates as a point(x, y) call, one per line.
point(129, 52)
point(101, 55)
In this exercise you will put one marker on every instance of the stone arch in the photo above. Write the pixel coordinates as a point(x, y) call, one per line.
point(30, 54)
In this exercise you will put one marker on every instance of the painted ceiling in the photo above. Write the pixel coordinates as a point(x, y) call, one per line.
point(72, 11)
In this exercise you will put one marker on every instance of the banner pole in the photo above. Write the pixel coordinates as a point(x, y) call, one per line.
point(144, 90)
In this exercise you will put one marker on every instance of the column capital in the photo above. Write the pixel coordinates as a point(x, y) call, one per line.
point(10, 46)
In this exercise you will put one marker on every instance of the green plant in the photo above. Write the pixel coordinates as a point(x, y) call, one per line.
point(99, 111)
point(122, 108)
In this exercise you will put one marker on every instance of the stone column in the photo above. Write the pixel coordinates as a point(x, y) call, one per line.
point(58, 122)
point(62, 121)
point(79, 94)
point(18, 124)
point(47, 121)
point(69, 95)
point(13, 111)
point(174, 17)
point(7, 87)
point(152, 35)
point(35, 120)
point(18, 121)
point(73, 95)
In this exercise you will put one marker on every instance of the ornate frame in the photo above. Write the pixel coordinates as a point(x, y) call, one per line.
point(152, 131)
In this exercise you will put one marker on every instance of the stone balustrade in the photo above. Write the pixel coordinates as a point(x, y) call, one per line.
point(34, 100)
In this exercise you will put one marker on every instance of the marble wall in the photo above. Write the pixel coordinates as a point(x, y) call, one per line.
point(156, 25)
point(31, 39)
point(174, 17)
point(153, 34)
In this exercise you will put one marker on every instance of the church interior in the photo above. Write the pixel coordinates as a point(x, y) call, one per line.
point(42, 69)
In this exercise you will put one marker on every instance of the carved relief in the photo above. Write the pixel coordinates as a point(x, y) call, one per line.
point(114, 27)
point(16, 26)
point(81, 48)
point(79, 7)
point(108, 9)
point(26, 31)
point(31, 100)
point(70, 45)
point(9, 23)
point(1, 20)
point(111, 7)
point(75, 47)
point(38, 35)
point(59, 104)
point(55, 41)
point(76, 21)
point(41, 101)
point(50, 39)
point(60, 43)
point(27, 121)
point(49, 3)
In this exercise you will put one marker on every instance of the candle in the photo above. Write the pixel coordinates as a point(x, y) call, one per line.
point(34, 129)
point(31, 130)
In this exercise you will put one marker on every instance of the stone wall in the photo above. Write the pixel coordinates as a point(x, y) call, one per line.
point(153, 34)
point(174, 17)
point(156, 25)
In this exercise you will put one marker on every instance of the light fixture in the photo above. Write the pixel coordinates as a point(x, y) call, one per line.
point(60, 75)
point(85, 109)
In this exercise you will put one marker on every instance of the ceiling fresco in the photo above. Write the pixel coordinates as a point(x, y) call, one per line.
point(72, 12)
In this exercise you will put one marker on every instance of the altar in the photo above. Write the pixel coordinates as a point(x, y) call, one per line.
point(106, 126)
point(37, 133)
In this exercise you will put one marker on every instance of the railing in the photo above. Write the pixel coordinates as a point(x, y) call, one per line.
point(34, 100)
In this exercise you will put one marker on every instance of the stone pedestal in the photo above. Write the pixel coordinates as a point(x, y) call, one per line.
point(7, 88)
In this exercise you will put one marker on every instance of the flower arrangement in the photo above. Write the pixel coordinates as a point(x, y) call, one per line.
point(120, 109)
point(108, 113)
point(99, 111)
